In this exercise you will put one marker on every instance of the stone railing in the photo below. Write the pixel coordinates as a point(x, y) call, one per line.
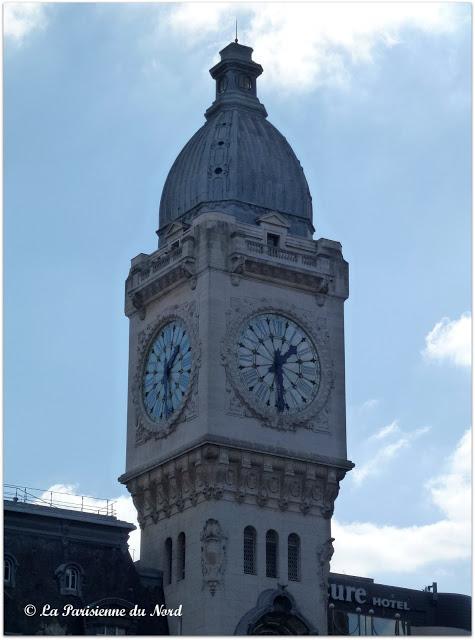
point(160, 262)
point(277, 253)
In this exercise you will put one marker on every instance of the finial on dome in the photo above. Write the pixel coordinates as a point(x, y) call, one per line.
point(235, 77)
point(236, 38)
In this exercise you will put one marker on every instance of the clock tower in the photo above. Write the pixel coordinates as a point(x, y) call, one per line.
point(236, 440)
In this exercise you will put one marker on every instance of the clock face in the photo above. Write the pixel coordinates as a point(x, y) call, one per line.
point(167, 371)
point(278, 363)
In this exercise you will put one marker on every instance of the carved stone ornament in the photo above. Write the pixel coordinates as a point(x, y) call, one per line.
point(214, 472)
point(213, 555)
point(324, 556)
point(145, 427)
point(313, 416)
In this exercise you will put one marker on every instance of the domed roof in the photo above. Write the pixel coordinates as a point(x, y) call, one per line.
point(237, 162)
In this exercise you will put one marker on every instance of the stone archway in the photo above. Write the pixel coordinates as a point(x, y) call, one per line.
point(275, 614)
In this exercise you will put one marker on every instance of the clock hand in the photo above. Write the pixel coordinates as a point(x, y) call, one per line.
point(165, 388)
point(276, 369)
point(172, 359)
point(292, 351)
point(166, 373)
point(280, 389)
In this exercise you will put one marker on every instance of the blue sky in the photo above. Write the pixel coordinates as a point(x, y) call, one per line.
point(376, 102)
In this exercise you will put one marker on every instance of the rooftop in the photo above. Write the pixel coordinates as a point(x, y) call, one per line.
point(59, 500)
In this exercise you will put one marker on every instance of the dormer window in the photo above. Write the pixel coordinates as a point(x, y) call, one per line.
point(70, 579)
point(9, 570)
point(273, 240)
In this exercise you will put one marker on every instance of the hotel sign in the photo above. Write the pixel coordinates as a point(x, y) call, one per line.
point(359, 595)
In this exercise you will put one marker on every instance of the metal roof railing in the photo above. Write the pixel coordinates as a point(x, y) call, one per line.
point(59, 499)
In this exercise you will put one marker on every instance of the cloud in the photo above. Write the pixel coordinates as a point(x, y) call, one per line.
point(22, 18)
point(450, 341)
point(451, 491)
point(386, 431)
point(304, 45)
point(379, 459)
point(369, 404)
point(365, 548)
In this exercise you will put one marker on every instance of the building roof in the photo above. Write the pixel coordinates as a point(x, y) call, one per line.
point(237, 162)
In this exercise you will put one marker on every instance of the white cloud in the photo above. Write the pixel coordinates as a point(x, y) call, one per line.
point(378, 460)
point(384, 432)
point(21, 18)
point(303, 45)
point(451, 492)
point(365, 548)
point(369, 404)
point(451, 341)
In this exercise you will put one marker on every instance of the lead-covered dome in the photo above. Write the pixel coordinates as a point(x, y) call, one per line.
point(238, 162)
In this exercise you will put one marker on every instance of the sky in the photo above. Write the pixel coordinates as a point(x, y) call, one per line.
point(375, 100)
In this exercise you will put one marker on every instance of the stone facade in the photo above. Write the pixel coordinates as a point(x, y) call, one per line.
point(221, 458)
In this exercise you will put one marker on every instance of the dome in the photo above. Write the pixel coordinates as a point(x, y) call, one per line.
point(237, 162)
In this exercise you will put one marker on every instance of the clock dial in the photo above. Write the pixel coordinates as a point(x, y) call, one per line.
point(278, 363)
point(167, 371)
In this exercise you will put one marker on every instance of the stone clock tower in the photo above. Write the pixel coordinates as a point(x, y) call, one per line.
point(236, 412)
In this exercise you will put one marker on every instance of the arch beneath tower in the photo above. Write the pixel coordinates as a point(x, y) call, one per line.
point(275, 614)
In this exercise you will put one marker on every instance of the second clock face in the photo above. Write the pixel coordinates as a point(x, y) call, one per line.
point(278, 363)
point(167, 371)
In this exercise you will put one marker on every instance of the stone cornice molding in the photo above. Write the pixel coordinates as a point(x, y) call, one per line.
point(214, 472)
point(342, 464)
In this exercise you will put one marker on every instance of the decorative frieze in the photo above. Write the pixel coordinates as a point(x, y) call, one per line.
point(215, 472)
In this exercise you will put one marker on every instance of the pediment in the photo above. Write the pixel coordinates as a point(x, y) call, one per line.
point(275, 219)
point(176, 228)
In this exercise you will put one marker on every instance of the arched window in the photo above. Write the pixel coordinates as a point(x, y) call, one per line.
point(249, 555)
point(293, 555)
point(71, 579)
point(168, 560)
point(272, 552)
point(9, 570)
point(181, 550)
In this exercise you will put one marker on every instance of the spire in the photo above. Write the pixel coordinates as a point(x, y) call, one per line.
point(235, 77)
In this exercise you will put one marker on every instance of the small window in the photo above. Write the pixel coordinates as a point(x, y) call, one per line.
point(249, 555)
point(294, 557)
point(175, 245)
point(71, 579)
point(181, 549)
point(272, 550)
point(273, 240)
point(8, 571)
point(245, 82)
point(168, 560)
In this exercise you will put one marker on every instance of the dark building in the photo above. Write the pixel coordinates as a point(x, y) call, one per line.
point(55, 557)
point(359, 606)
